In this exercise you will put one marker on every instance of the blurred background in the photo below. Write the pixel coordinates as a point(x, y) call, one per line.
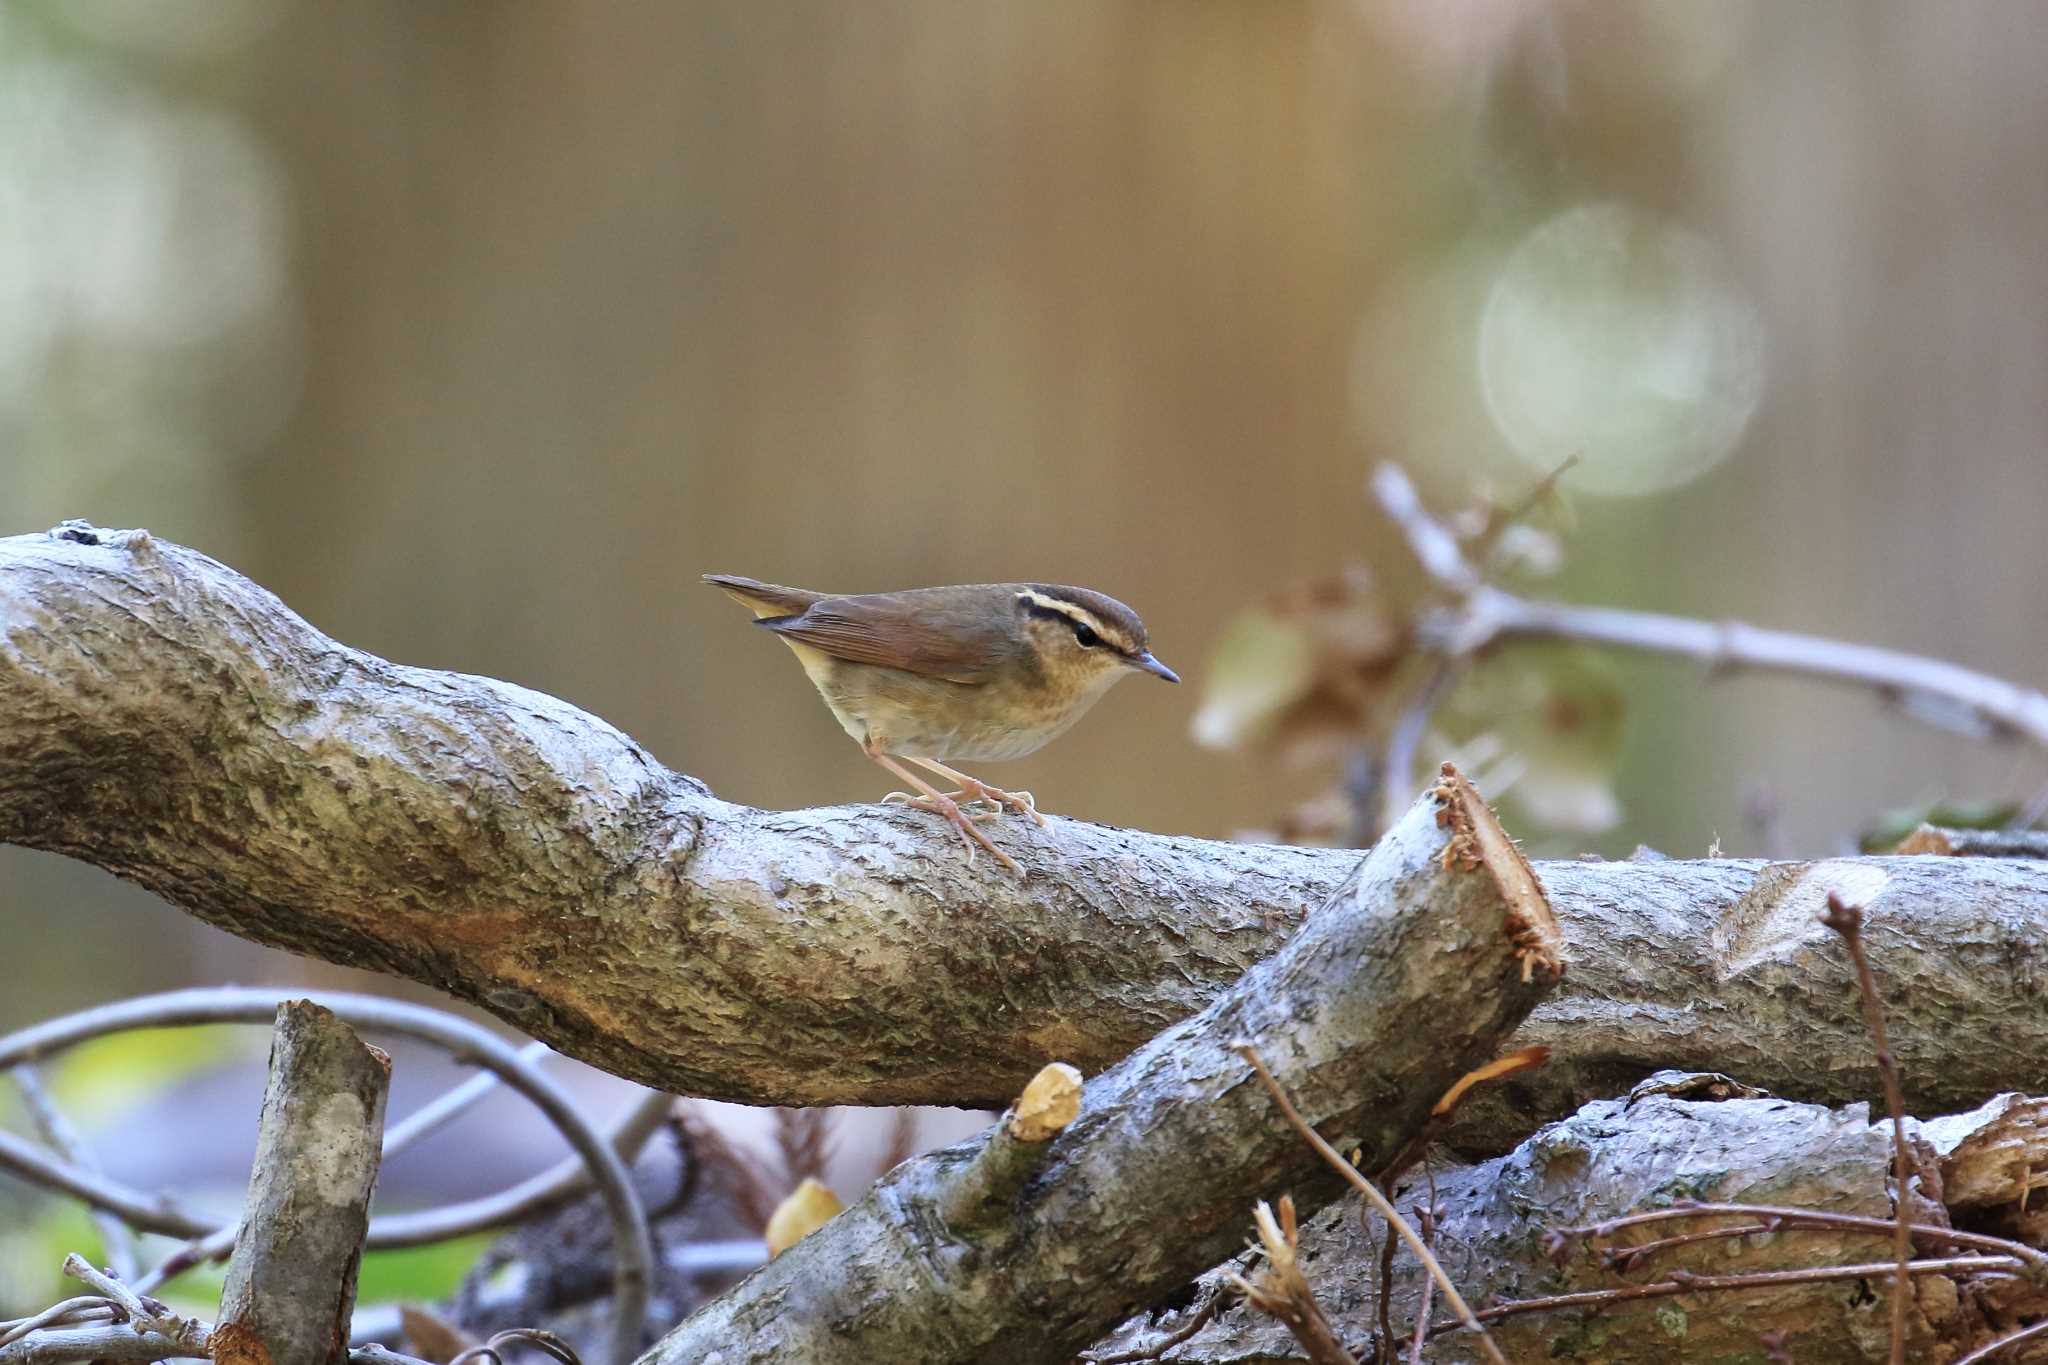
point(478, 331)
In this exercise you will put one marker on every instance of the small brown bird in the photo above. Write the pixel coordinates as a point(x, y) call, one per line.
point(982, 671)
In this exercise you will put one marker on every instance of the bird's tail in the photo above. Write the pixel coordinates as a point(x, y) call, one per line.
point(763, 599)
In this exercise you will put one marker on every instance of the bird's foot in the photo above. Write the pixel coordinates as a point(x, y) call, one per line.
point(1022, 802)
point(970, 832)
point(925, 803)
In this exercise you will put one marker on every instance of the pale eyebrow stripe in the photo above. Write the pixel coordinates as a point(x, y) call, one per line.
point(1053, 606)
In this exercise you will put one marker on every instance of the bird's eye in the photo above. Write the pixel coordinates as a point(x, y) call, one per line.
point(1085, 637)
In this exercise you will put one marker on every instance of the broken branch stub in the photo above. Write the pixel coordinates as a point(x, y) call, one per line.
point(1377, 1004)
point(291, 1283)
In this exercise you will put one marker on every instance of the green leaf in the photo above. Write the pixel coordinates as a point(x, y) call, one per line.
point(1560, 717)
point(1884, 833)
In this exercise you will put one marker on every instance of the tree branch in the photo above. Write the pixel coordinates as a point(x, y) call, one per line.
point(988, 1253)
point(1606, 1292)
point(167, 719)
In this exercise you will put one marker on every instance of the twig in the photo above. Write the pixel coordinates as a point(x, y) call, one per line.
point(632, 1249)
point(117, 1342)
point(149, 1314)
point(1847, 921)
point(1932, 691)
point(1282, 1290)
point(1375, 1198)
point(1815, 1219)
point(1383, 1344)
point(215, 1246)
point(545, 1342)
point(902, 1143)
point(1397, 782)
point(440, 1112)
point(740, 1170)
point(803, 1139)
point(1428, 1220)
point(1626, 1258)
point(1936, 693)
point(1201, 1319)
point(115, 1243)
point(1685, 1283)
point(1984, 1353)
point(1434, 547)
point(85, 1308)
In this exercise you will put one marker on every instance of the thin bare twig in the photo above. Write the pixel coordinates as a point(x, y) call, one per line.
point(1847, 921)
point(1283, 1291)
point(1785, 1217)
point(70, 1312)
point(742, 1172)
point(545, 1342)
point(1374, 1197)
point(1984, 1353)
point(1383, 1344)
point(95, 1341)
point(1625, 1258)
point(149, 1314)
point(1427, 1218)
point(1936, 693)
point(1397, 781)
point(1931, 691)
point(902, 1143)
point(1201, 1319)
point(115, 1242)
point(448, 1107)
point(803, 1139)
point(1686, 1283)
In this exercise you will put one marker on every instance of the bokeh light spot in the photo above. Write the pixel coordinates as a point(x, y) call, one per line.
point(1623, 340)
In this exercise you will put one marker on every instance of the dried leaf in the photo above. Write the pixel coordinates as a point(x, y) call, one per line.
point(807, 1208)
point(1561, 713)
point(432, 1338)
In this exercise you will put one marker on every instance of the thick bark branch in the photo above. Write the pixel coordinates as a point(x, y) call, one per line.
point(1009, 1250)
point(1617, 1157)
point(291, 1283)
point(167, 719)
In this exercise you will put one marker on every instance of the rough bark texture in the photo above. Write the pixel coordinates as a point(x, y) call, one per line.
point(291, 1283)
point(992, 1251)
point(169, 720)
point(1616, 1157)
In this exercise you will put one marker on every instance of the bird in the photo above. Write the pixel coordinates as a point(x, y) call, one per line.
point(975, 672)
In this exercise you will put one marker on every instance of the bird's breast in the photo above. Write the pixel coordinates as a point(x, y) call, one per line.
point(919, 717)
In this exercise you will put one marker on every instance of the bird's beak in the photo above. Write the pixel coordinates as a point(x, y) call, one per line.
point(1153, 666)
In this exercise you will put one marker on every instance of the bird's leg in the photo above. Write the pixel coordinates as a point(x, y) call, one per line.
point(938, 803)
point(1021, 801)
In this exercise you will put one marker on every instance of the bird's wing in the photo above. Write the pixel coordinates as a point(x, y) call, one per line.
point(896, 631)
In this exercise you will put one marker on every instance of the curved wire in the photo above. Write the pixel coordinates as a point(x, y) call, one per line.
point(633, 1247)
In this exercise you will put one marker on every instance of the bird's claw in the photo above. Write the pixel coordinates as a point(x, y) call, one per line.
point(970, 832)
point(1021, 802)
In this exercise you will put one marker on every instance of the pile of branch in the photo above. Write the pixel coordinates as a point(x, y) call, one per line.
point(1687, 1221)
point(168, 720)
